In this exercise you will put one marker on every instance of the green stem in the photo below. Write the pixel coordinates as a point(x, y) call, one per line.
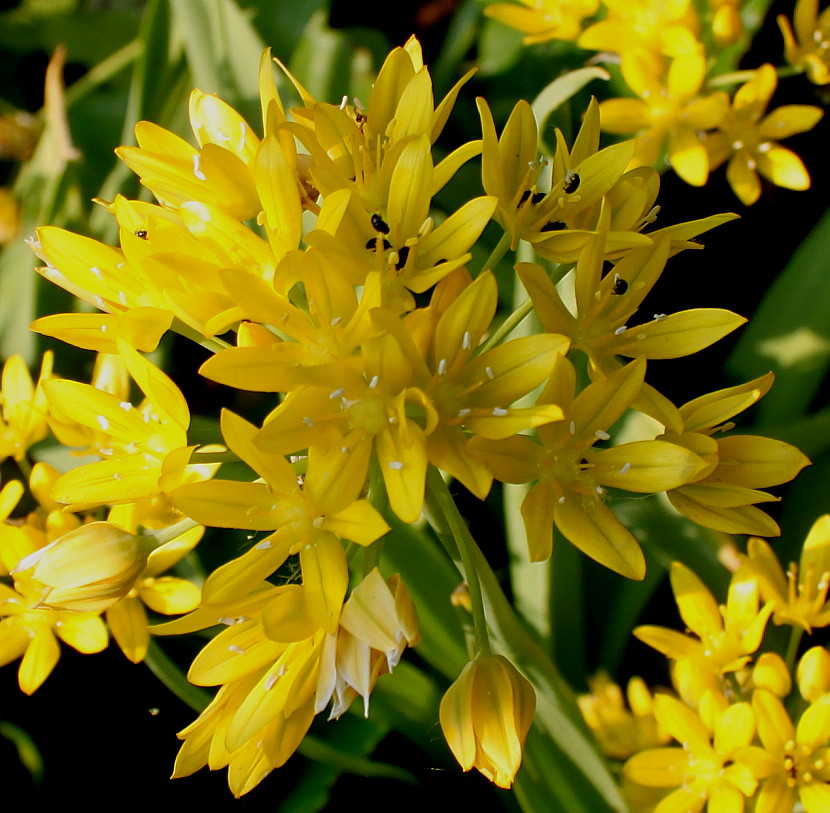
point(103, 72)
point(175, 679)
point(796, 634)
point(171, 532)
point(25, 468)
point(447, 520)
point(508, 325)
point(740, 77)
point(497, 253)
point(379, 499)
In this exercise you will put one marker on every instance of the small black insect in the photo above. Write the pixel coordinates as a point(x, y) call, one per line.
point(372, 244)
point(537, 197)
point(571, 182)
point(620, 286)
point(554, 225)
point(379, 224)
point(403, 253)
point(142, 233)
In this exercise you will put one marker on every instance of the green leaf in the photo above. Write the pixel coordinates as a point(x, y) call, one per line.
point(790, 332)
point(27, 751)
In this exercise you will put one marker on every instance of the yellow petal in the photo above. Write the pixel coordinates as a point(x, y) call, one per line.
point(325, 579)
point(127, 621)
point(286, 617)
point(757, 462)
point(645, 466)
point(784, 168)
point(40, 659)
point(744, 519)
point(170, 595)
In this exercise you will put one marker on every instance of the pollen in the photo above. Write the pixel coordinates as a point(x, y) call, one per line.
point(395, 465)
point(103, 422)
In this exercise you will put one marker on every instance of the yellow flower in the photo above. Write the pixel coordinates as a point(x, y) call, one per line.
point(144, 449)
point(662, 27)
point(30, 631)
point(725, 638)
point(709, 766)
point(749, 140)
point(542, 20)
point(87, 569)
point(485, 716)
point(24, 407)
point(310, 520)
point(571, 475)
point(620, 730)
point(807, 48)
point(794, 762)
point(800, 597)
point(723, 494)
point(668, 114)
point(727, 25)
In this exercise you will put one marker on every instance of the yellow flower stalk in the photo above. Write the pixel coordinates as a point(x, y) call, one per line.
point(710, 766)
point(807, 46)
point(748, 139)
point(723, 638)
point(88, 569)
point(668, 114)
point(485, 716)
point(800, 595)
point(543, 20)
point(621, 728)
point(793, 764)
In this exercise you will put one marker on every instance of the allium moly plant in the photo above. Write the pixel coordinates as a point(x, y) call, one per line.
point(399, 344)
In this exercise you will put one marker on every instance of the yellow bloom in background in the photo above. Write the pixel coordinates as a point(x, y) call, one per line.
point(621, 729)
point(727, 25)
point(723, 639)
point(793, 765)
point(485, 716)
point(800, 596)
point(748, 139)
point(667, 27)
point(669, 114)
point(24, 407)
point(709, 767)
point(542, 20)
point(809, 46)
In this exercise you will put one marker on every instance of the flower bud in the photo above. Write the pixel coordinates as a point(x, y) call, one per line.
point(87, 569)
point(485, 716)
point(813, 674)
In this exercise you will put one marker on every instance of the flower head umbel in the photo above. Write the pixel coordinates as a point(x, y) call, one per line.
point(485, 716)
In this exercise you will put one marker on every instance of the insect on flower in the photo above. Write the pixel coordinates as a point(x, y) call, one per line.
point(379, 224)
point(571, 182)
point(620, 286)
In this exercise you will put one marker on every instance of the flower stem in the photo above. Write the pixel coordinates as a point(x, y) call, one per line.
point(796, 634)
point(171, 675)
point(164, 535)
point(508, 325)
point(448, 522)
point(497, 253)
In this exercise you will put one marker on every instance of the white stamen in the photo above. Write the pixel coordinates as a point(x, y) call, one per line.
point(336, 321)
point(243, 132)
point(572, 427)
point(625, 468)
point(228, 622)
point(561, 501)
point(237, 649)
point(659, 317)
point(463, 413)
point(336, 393)
point(500, 412)
point(306, 421)
point(442, 367)
point(317, 522)
point(466, 340)
point(97, 271)
point(602, 434)
point(374, 382)
point(599, 490)
point(103, 422)
point(264, 545)
point(620, 330)
point(395, 465)
point(126, 406)
point(104, 328)
point(489, 372)
point(343, 102)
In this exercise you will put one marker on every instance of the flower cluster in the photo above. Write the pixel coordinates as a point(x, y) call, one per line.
point(746, 724)
point(312, 259)
point(670, 60)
